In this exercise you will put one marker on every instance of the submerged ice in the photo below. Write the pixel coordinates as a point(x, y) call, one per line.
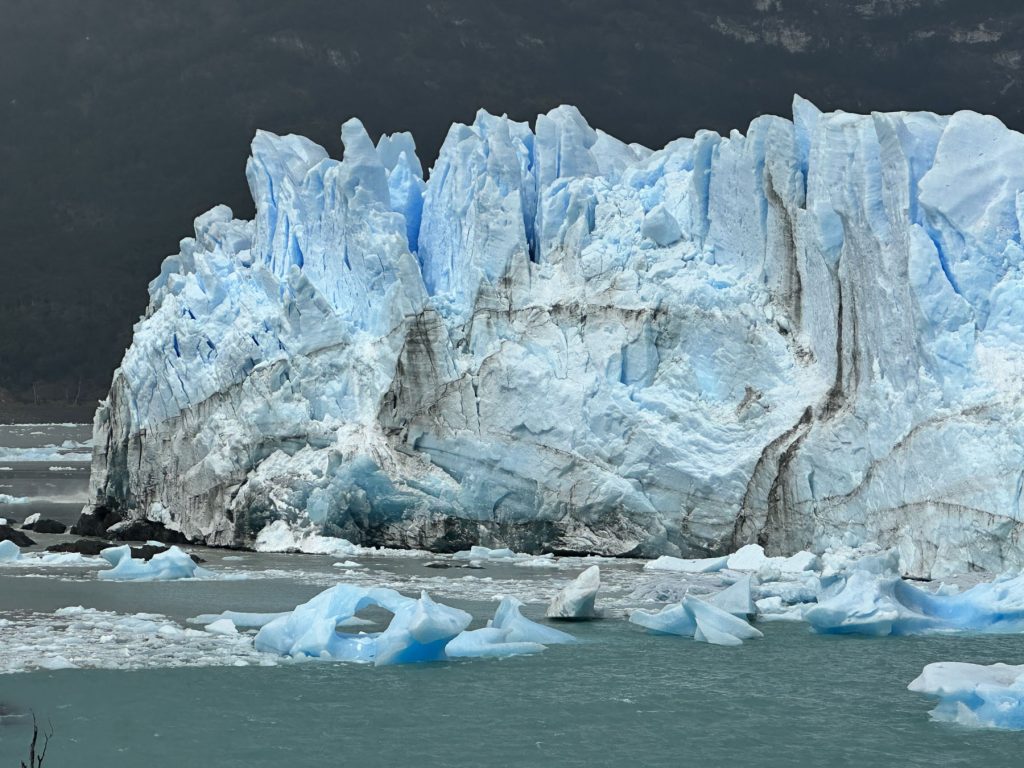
point(806, 335)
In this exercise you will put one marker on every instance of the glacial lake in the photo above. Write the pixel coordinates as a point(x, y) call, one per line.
point(618, 697)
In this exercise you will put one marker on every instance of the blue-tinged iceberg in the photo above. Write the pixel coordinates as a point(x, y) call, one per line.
point(808, 335)
point(975, 695)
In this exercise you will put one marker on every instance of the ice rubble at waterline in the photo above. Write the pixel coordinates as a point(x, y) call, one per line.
point(562, 342)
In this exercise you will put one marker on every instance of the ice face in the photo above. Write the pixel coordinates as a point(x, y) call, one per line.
point(975, 695)
point(576, 601)
point(805, 335)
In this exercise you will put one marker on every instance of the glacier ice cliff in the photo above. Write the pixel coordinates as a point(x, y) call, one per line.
point(807, 335)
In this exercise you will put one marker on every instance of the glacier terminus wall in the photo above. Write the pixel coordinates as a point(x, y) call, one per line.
point(807, 335)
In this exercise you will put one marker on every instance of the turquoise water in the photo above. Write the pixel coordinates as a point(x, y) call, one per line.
point(621, 697)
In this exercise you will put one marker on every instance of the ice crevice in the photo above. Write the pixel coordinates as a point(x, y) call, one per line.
point(556, 341)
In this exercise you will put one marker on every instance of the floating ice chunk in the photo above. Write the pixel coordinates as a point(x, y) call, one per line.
point(973, 694)
point(878, 605)
point(752, 558)
point(280, 537)
point(774, 609)
point(670, 620)
point(522, 630)
point(6, 498)
point(9, 552)
point(680, 565)
point(56, 662)
point(486, 553)
point(222, 627)
point(488, 641)
point(576, 601)
point(347, 564)
point(31, 520)
point(166, 566)
point(419, 630)
point(800, 588)
point(717, 627)
point(736, 599)
point(697, 619)
point(239, 619)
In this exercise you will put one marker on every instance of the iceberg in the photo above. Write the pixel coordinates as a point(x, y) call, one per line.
point(872, 604)
point(419, 629)
point(684, 565)
point(508, 634)
point(557, 342)
point(693, 617)
point(166, 566)
point(975, 695)
point(9, 552)
point(576, 601)
point(736, 599)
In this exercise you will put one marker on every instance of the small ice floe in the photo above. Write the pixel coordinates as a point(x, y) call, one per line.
point(348, 564)
point(681, 565)
point(736, 599)
point(166, 566)
point(869, 603)
point(752, 558)
point(11, 554)
point(698, 619)
point(576, 601)
point(237, 619)
point(6, 498)
point(508, 634)
point(477, 554)
point(975, 695)
point(279, 536)
point(419, 629)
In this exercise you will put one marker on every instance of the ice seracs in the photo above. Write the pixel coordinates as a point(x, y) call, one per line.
point(561, 342)
point(576, 601)
point(975, 695)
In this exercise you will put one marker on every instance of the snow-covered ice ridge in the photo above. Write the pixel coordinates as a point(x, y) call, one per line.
point(807, 335)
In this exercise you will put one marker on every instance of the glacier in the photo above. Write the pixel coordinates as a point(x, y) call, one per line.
point(805, 336)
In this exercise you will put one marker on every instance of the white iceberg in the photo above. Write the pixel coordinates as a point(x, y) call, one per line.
point(166, 566)
point(681, 565)
point(697, 619)
point(975, 695)
point(736, 599)
point(576, 601)
point(9, 552)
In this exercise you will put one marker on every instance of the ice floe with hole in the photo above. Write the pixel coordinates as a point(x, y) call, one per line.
point(576, 601)
point(508, 634)
point(419, 629)
point(92, 639)
point(983, 696)
point(871, 604)
point(171, 565)
point(698, 619)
